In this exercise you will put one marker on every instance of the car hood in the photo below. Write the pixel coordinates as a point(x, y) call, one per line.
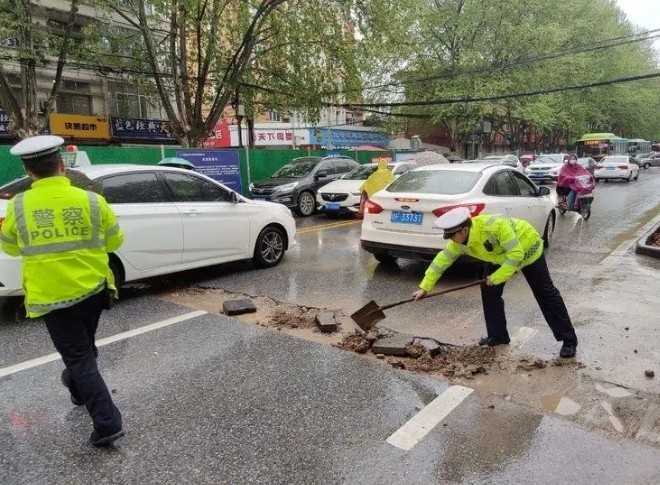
point(275, 182)
point(342, 186)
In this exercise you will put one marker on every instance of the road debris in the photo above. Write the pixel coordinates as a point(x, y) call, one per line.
point(292, 318)
point(355, 342)
point(396, 344)
point(525, 364)
point(238, 307)
point(649, 373)
point(457, 362)
point(326, 322)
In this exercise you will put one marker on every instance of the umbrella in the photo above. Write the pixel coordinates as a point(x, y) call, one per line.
point(176, 162)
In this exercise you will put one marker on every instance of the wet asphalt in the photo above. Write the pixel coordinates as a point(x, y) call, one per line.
point(211, 400)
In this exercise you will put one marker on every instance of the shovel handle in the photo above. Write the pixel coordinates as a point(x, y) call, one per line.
point(430, 295)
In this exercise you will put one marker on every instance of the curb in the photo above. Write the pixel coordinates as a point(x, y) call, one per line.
point(646, 249)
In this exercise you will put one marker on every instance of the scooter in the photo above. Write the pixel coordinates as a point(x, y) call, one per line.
point(582, 205)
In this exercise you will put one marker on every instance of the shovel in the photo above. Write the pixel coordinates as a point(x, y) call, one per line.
point(370, 314)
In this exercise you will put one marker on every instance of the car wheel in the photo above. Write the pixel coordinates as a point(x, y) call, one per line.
point(269, 249)
point(306, 204)
point(630, 177)
point(385, 258)
point(549, 230)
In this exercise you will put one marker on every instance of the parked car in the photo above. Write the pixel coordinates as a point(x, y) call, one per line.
point(616, 167)
point(344, 195)
point(544, 168)
point(637, 158)
point(295, 184)
point(398, 221)
point(174, 220)
point(652, 160)
point(511, 160)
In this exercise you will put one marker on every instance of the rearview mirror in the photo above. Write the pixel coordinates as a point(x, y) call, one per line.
point(321, 174)
point(543, 191)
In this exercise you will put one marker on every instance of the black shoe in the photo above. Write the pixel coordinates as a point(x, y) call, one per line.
point(492, 341)
point(568, 350)
point(66, 382)
point(103, 441)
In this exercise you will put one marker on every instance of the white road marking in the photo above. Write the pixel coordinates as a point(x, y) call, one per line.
point(29, 364)
point(567, 407)
point(411, 433)
point(522, 336)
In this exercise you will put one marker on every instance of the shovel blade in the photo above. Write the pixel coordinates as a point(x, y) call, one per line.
point(368, 316)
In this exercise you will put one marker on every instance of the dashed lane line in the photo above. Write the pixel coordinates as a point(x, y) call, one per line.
point(321, 227)
point(411, 433)
point(29, 364)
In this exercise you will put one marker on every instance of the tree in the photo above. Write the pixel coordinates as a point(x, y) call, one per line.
point(31, 46)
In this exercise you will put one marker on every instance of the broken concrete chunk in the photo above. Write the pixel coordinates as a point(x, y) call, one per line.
point(430, 345)
point(238, 307)
point(649, 373)
point(326, 322)
point(392, 345)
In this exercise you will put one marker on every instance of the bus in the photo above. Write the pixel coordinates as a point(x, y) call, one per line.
point(599, 145)
point(639, 146)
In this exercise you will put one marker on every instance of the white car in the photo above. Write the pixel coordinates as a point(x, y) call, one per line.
point(174, 220)
point(616, 167)
point(344, 195)
point(544, 168)
point(398, 221)
point(511, 160)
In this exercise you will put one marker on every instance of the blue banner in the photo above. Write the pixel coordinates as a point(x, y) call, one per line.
point(140, 129)
point(221, 165)
point(331, 137)
point(4, 125)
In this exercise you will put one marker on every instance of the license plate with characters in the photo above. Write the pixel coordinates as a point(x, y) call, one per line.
point(399, 217)
point(611, 168)
point(332, 206)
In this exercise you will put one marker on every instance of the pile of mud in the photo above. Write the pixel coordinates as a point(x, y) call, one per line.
point(463, 362)
point(292, 317)
point(654, 239)
point(355, 343)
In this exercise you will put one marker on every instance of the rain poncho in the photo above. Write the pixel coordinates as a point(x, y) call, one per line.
point(575, 177)
point(378, 180)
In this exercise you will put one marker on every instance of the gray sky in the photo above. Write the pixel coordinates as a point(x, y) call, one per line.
point(644, 13)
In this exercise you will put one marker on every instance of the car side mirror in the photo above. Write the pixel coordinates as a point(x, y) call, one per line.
point(543, 191)
point(234, 198)
point(321, 174)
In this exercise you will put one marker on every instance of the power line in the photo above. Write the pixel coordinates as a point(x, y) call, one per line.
point(641, 36)
point(469, 99)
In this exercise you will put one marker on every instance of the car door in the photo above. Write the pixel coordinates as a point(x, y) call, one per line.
point(326, 167)
point(215, 229)
point(537, 206)
point(501, 193)
point(151, 222)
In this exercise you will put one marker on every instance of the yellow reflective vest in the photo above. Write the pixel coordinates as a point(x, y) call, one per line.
point(510, 243)
point(64, 235)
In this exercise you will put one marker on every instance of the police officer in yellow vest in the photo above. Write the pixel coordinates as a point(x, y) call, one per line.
point(64, 235)
point(508, 245)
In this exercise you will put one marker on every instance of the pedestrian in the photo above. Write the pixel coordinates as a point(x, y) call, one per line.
point(64, 234)
point(507, 245)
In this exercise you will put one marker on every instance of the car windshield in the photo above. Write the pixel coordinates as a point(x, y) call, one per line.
point(553, 158)
point(17, 186)
point(361, 173)
point(446, 182)
point(296, 169)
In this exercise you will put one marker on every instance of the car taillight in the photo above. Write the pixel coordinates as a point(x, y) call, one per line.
point(475, 209)
point(372, 207)
point(623, 167)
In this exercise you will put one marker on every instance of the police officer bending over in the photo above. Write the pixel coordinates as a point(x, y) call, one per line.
point(508, 246)
point(64, 235)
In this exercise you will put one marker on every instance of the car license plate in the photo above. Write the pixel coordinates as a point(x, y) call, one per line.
point(332, 206)
point(407, 217)
point(611, 168)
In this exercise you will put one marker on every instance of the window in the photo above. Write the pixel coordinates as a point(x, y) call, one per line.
point(74, 104)
point(327, 167)
point(274, 116)
point(189, 188)
point(343, 166)
point(526, 189)
point(442, 182)
point(501, 184)
point(134, 188)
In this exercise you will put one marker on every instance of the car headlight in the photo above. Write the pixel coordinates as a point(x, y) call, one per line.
point(286, 187)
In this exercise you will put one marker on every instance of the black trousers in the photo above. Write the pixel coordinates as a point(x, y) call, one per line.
point(547, 296)
point(73, 331)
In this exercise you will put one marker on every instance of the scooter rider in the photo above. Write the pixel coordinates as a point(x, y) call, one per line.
point(508, 245)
